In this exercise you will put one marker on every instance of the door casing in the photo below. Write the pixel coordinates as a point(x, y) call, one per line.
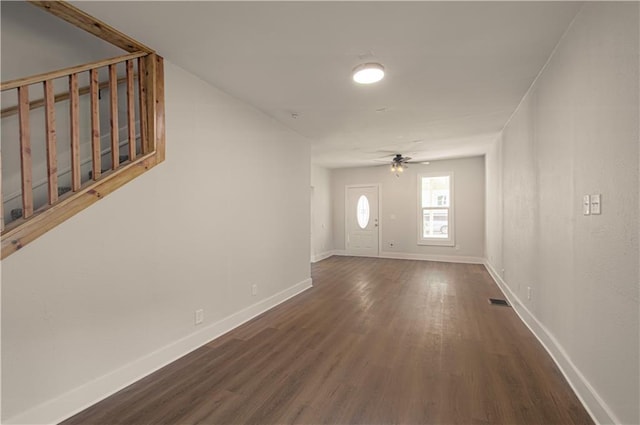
point(346, 230)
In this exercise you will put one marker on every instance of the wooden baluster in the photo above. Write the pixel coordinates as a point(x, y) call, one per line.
point(74, 111)
point(142, 99)
point(50, 129)
point(131, 113)
point(94, 87)
point(159, 133)
point(25, 152)
point(115, 135)
point(150, 81)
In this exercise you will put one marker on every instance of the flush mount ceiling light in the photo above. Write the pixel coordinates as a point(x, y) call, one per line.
point(368, 73)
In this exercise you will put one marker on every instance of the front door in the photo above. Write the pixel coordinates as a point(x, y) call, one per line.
point(361, 218)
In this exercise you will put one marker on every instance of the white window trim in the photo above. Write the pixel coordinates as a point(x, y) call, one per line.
point(450, 241)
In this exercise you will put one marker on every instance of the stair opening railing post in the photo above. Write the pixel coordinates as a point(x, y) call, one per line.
point(150, 102)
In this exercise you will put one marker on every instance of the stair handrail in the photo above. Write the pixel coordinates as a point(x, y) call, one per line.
point(52, 75)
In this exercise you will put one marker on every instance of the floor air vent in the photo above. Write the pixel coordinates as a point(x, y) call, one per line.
point(498, 301)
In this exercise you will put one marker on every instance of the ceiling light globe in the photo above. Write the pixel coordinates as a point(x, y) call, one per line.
point(368, 73)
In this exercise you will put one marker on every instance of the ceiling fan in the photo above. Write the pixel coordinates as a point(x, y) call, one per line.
point(400, 163)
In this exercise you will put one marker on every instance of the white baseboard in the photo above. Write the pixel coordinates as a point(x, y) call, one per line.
point(412, 256)
point(78, 399)
point(321, 256)
point(344, 253)
point(432, 257)
point(592, 402)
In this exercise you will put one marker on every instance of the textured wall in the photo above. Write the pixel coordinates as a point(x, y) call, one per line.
point(577, 133)
point(493, 198)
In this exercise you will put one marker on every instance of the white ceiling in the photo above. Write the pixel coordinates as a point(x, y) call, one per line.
point(455, 70)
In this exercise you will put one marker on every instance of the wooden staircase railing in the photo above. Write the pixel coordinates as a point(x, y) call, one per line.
point(148, 113)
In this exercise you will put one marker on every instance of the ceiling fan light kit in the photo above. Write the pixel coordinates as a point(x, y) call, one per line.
point(397, 169)
point(368, 73)
point(399, 163)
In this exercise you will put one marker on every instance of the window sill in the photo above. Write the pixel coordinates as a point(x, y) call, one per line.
point(436, 242)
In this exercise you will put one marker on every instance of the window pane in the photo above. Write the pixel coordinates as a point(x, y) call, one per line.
point(362, 211)
point(435, 223)
point(435, 191)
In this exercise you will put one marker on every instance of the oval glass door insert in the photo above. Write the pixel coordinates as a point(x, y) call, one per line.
point(362, 211)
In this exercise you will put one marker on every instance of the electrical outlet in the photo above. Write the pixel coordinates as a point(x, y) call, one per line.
point(254, 289)
point(528, 292)
point(199, 316)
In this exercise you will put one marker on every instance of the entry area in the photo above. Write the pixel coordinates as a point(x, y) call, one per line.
point(361, 220)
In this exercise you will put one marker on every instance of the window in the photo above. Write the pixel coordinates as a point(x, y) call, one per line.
point(435, 209)
point(362, 211)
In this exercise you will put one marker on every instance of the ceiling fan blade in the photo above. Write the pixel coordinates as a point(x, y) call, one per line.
point(398, 159)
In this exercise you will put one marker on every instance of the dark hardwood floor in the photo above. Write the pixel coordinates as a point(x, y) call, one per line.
point(375, 341)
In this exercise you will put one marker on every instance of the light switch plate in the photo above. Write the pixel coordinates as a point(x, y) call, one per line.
point(586, 205)
point(595, 204)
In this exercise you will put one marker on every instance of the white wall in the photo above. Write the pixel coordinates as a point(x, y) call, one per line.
point(493, 199)
point(110, 294)
point(24, 30)
point(576, 133)
point(321, 217)
point(398, 212)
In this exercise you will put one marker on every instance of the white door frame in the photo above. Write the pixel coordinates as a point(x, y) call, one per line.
point(346, 231)
point(312, 219)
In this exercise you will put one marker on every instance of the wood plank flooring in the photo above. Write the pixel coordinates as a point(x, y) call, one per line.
point(375, 341)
